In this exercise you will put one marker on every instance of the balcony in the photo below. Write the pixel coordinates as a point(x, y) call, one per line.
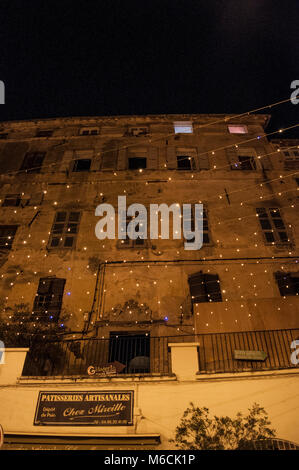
point(143, 355)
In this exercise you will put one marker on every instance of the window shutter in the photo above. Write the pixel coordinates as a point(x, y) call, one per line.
point(36, 199)
point(122, 159)
point(68, 159)
point(171, 158)
point(265, 161)
point(232, 157)
point(213, 287)
point(203, 161)
point(109, 159)
point(57, 288)
point(44, 286)
point(152, 159)
point(197, 288)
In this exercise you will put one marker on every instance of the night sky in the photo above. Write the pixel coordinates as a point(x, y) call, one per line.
point(108, 57)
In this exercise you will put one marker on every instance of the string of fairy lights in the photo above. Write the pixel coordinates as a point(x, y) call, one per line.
point(223, 220)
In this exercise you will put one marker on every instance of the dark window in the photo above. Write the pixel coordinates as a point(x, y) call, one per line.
point(132, 350)
point(44, 133)
point(136, 163)
point(32, 162)
point(288, 283)
point(89, 131)
point(204, 288)
point(3, 136)
point(83, 164)
point(184, 162)
point(272, 225)
point(12, 200)
point(64, 230)
point(7, 234)
point(138, 131)
point(244, 163)
point(127, 242)
point(48, 300)
point(205, 226)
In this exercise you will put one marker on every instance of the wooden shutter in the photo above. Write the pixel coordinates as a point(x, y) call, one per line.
point(122, 159)
point(265, 161)
point(152, 159)
point(68, 159)
point(36, 199)
point(12, 156)
point(109, 160)
point(171, 158)
point(203, 161)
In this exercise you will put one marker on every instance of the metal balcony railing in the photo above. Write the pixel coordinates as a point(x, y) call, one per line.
point(146, 355)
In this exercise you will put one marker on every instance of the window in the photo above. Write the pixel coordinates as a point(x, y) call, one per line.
point(245, 162)
point(48, 300)
point(272, 225)
point(237, 129)
point(32, 162)
point(44, 133)
point(7, 234)
point(132, 350)
point(127, 242)
point(3, 136)
point(82, 164)
point(291, 158)
point(89, 131)
point(184, 162)
point(205, 226)
point(297, 181)
point(64, 230)
point(183, 127)
point(138, 131)
point(288, 283)
point(12, 200)
point(136, 163)
point(204, 288)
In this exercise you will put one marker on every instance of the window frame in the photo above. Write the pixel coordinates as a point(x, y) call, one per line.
point(12, 197)
point(128, 242)
point(75, 165)
point(205, 297)
point(244, 126)
point(9, 245)
point(275, 230)
point(45, 299)
point(65, 233)
point(179, 127)
point(89, 131)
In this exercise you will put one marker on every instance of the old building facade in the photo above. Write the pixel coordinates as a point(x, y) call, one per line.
point(245, 278)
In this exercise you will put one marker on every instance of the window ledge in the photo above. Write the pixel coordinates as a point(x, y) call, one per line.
point(89, 380)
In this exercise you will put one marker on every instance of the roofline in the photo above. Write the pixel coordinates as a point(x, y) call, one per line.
point(265, 117)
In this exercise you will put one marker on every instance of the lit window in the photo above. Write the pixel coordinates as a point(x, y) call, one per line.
point(237, 129)
point(183, 127)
